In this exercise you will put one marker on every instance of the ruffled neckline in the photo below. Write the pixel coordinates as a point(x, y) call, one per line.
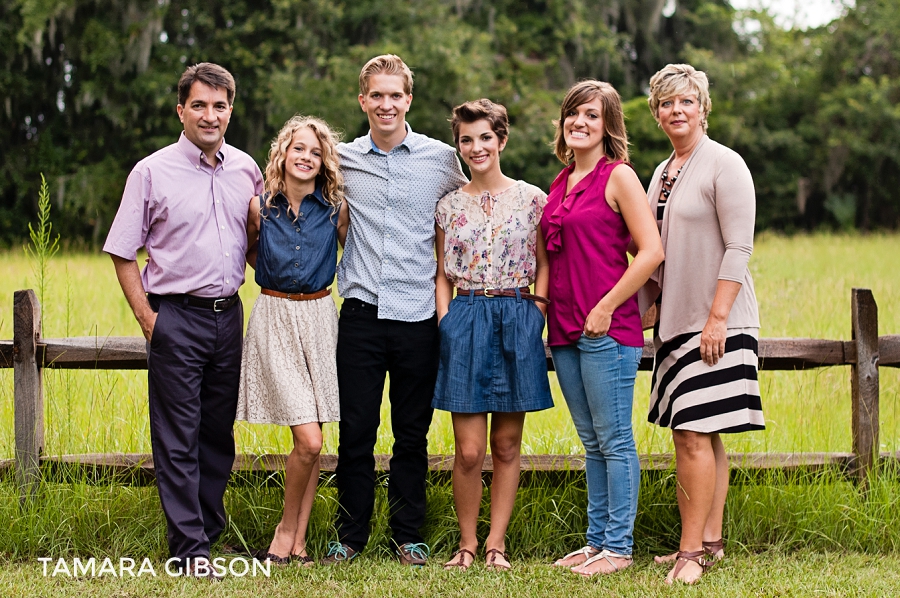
point(553, 237)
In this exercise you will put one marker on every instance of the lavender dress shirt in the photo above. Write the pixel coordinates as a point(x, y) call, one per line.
point(191, 218)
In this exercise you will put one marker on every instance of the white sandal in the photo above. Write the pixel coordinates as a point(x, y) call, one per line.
point(608, 555)
point(588, 552)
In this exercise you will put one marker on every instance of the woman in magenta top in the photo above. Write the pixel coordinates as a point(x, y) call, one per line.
point(595, 209)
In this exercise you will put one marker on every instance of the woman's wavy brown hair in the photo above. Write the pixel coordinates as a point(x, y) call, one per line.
point(615, 139)
point(330, 178)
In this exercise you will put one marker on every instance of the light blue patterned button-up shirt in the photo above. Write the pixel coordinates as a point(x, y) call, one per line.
point(389, 254)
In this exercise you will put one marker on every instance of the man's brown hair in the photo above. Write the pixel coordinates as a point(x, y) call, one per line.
point(209, 74)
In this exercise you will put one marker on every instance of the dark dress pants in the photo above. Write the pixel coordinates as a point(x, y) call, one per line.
point(368, 350)
point(194, 363)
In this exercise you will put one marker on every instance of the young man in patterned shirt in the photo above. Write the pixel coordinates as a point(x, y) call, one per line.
point(394, 179)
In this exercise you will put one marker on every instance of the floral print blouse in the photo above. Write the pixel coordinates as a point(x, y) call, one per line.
point(490, 241)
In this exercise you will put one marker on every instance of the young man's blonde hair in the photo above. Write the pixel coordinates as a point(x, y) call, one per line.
point(680, 80)
point(386, 64)
point(615, 139)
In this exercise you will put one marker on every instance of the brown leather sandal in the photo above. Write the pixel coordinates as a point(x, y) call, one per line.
point(713, 550)
point(491, 556)
point(683, 559)
point(303, 560)
point(460, 564)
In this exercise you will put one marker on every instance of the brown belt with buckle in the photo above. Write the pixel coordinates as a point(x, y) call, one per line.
point(296, 296)
point(523, 293)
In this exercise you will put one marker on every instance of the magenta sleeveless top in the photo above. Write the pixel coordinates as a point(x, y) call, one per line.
point(586, 245)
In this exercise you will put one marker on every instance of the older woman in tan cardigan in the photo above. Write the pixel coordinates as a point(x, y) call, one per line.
point(704, 374)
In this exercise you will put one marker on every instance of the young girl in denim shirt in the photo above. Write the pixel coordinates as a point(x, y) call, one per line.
point(288, 371)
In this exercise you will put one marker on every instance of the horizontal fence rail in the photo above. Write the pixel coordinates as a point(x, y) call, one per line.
point(29, 354)
point(130, 353)
point(137, 468)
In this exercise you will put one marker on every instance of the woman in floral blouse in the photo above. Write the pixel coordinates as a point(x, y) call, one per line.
point(492, 360)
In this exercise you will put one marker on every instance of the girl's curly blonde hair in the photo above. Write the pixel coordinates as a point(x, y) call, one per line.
point(331, 179)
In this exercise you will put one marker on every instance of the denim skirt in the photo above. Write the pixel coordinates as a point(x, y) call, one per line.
point(492, 357)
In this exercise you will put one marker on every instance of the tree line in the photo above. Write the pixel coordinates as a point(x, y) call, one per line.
point(89, 89)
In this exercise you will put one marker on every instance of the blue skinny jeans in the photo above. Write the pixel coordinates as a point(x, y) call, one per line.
point(597, 376)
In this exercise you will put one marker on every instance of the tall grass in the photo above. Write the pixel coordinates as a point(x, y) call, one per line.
point(788, 511)
point(43, 245)
point(803, 284)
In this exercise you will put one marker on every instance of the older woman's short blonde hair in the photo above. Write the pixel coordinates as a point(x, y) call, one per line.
point(680, 79)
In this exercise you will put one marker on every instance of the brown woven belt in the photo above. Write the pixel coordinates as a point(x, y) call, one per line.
point(296, 296)
point(523, 293)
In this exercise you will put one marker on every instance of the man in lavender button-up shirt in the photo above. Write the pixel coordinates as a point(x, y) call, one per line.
point(187, 205)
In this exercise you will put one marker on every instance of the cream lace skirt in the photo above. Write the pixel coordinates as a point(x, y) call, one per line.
point(288, 370)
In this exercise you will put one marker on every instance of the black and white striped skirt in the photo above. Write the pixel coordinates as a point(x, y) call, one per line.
point(689, 395)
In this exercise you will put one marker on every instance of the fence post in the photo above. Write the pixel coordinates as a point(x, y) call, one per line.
point(29, 391)
point(864, 383)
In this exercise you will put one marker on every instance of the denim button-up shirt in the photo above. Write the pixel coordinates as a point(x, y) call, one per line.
point(389, 254)
point(297, 256)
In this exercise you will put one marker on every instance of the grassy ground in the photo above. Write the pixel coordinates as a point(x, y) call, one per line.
point(767, 574)
point(789, 534)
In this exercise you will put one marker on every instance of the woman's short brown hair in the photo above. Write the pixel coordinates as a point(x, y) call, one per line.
point(680, 79)
point(615, 138)
point(482, 109)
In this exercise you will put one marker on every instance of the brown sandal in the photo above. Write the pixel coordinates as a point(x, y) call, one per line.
point(462, 553)
point(491, 556)
point(305, 561)
point(712, 550)
point(683, 559)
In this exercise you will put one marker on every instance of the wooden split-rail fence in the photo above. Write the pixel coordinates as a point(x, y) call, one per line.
point(29, 354)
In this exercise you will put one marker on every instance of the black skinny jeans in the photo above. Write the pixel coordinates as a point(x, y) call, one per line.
point(368, 350)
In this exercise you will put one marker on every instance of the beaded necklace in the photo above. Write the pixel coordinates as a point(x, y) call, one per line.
point(667, 182)
point(666, 190)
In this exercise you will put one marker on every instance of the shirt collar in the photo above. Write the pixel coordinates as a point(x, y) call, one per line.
point(195, 154)
point(408, 142)
point(317, 194)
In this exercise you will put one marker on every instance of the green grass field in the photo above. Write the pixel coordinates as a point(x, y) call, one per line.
point(789, 534)
point(828, 575)
point(803, 284)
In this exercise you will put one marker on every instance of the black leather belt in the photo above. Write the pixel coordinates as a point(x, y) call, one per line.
point(217, 305)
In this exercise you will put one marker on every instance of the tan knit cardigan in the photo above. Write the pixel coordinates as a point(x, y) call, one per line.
point(707, 234)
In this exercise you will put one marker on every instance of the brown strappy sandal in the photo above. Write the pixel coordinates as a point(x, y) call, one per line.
point(491, 556)
point(713, 550)
point(303, 560)
point(683, 559)
point(462, 553)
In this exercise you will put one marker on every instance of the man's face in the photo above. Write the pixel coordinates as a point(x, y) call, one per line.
point(205, 116)
point(386, 104)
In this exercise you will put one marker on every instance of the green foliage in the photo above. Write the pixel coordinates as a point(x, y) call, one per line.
point(43, 245)
point(89, 88)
